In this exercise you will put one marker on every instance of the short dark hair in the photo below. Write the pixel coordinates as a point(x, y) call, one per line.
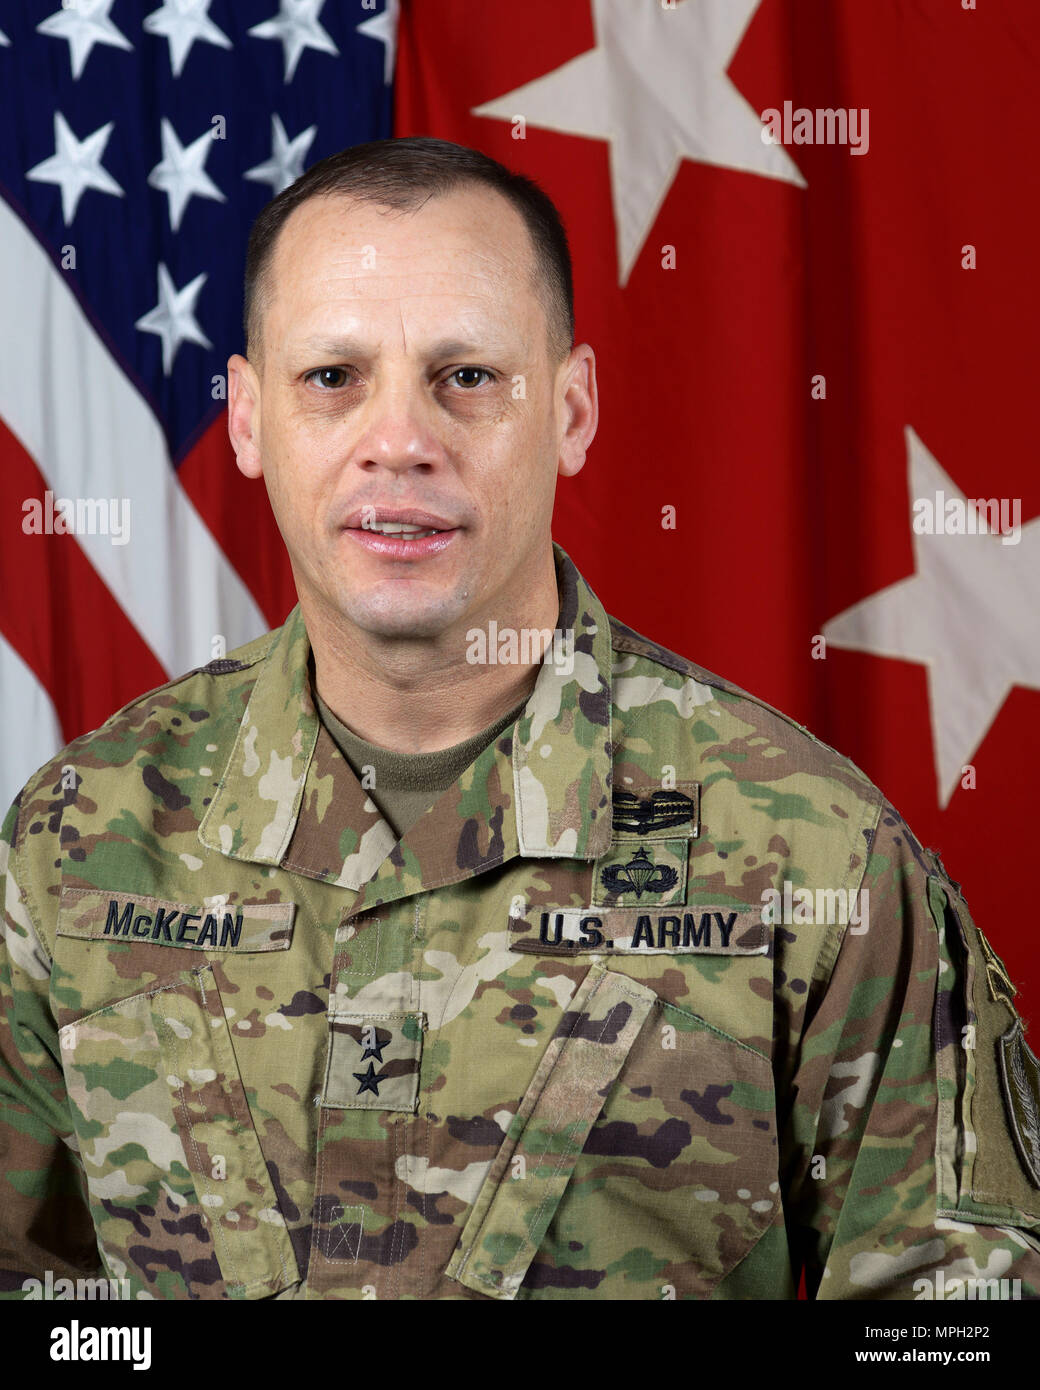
point(402, 174)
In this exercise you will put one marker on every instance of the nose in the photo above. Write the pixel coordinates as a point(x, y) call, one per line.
point(398, 430)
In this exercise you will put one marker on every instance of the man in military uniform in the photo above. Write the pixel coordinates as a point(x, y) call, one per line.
point(395, 956)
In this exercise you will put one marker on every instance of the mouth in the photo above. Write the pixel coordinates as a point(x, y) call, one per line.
point(402, 535)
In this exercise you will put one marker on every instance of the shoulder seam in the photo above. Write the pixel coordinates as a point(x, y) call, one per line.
point(624, 639)
point(209, 667)
point(13, 861)
point(839, 938)
point(38, 778)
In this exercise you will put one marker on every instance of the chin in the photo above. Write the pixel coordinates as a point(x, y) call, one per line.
point(402, 619)
point(412, 629)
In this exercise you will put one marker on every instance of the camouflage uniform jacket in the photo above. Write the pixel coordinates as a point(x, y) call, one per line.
point(544, 1046)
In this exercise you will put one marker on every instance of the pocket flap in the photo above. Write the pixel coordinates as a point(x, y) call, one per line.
point(530, 1172)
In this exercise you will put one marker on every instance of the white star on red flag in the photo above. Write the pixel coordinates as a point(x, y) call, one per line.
point(655, 86)
point(953, 615)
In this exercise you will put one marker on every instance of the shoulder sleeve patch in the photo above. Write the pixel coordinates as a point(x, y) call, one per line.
point(988, 1132)
point(1020, 1075)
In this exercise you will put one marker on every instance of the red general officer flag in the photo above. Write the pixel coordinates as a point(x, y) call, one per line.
point(803, 237)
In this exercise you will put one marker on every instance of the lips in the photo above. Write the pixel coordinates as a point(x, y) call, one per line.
point(433, 535)
point(367, 518)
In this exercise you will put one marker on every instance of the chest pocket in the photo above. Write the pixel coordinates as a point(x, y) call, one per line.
point(641, 1163)
point(178, 1187)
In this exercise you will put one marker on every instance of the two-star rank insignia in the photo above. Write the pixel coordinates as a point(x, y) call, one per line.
point(374, 1061)
point(373, 1040)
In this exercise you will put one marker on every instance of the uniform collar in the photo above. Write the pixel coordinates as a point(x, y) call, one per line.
point(289, 798)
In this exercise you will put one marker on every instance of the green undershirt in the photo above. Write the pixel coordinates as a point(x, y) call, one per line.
point(407, 784)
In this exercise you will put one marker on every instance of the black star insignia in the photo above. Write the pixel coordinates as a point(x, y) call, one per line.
point(369, 1080)
point(374, 1050)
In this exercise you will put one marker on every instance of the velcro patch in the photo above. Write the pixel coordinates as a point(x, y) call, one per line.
point(660, 814)
point(373, 1061)
point(1020, 1078)
point(997, 978)
point(630, 873)
point(216, 924)
point(988, 1147)
point(683, 930)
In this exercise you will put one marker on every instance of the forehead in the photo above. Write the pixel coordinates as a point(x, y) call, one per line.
point(469, 249)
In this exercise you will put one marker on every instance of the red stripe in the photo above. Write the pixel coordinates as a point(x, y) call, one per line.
point(237, 512)
point(58, 613)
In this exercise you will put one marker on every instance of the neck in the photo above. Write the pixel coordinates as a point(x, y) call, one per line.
point(422, 696)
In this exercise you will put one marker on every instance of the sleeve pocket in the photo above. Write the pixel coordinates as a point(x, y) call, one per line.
point(988, 1127)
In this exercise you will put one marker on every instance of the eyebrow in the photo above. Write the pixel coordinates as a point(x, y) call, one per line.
point(351, 347)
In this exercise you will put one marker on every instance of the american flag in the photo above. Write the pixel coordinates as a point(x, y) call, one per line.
point(138, 144)
point(804, 239)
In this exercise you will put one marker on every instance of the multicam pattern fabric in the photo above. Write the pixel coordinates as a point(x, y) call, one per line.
point(255, 1046)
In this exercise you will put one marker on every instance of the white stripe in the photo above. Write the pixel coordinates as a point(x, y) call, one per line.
point(93, 436)
point(32, 733)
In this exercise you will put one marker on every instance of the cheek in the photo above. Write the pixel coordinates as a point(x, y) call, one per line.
point(300, 456)
point(507, 429)
point(292, 435)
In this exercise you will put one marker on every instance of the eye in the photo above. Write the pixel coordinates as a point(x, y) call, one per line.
point(327, 377)
point(464, 376)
